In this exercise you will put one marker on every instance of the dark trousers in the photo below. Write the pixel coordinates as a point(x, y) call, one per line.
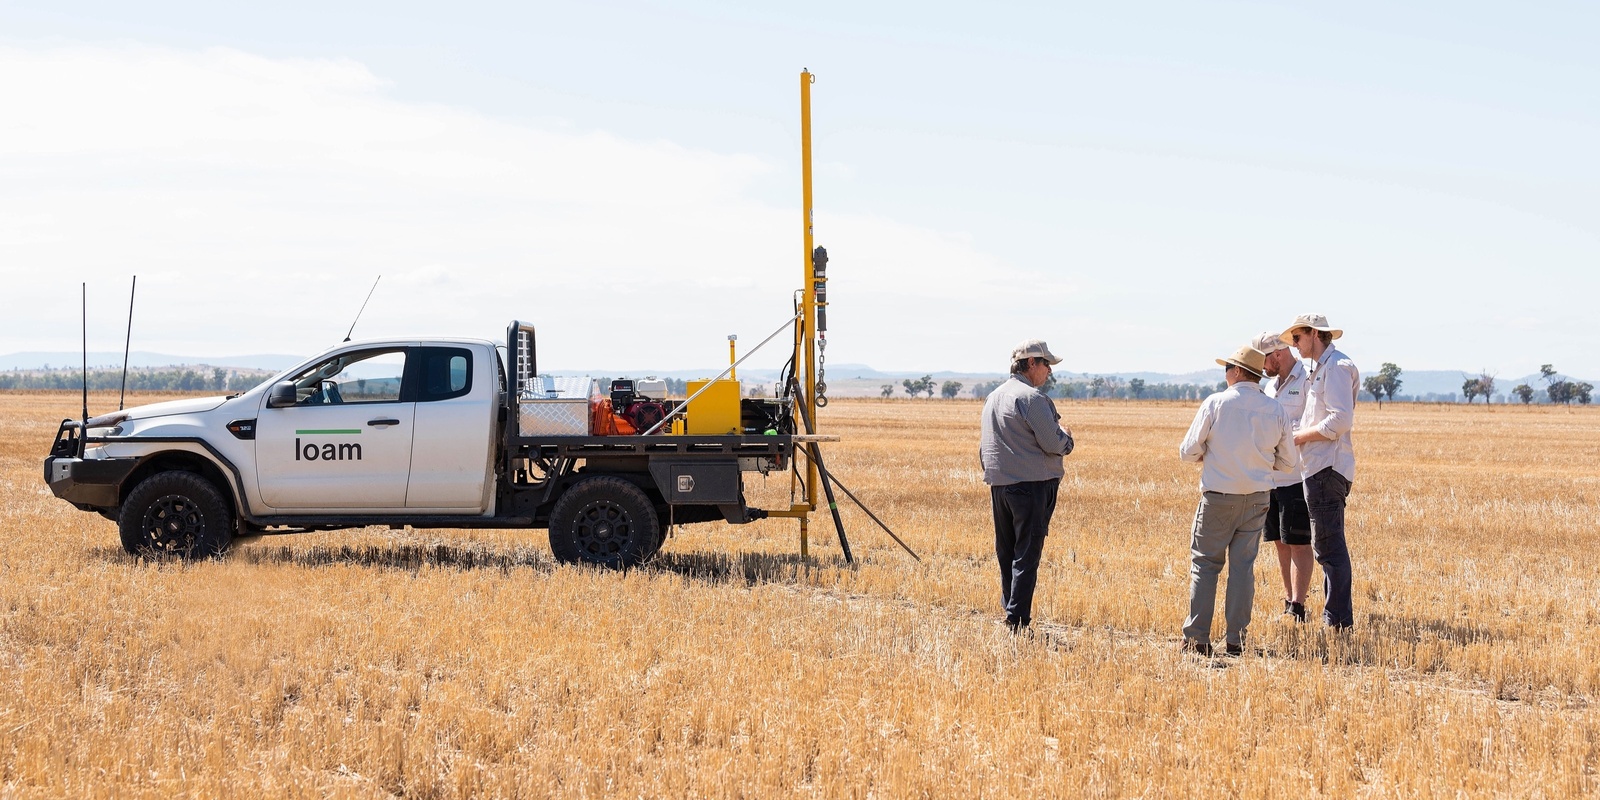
point(1326, 492)
point(1021, 521)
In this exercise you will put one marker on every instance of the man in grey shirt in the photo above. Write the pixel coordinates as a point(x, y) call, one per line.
point(1021, 448)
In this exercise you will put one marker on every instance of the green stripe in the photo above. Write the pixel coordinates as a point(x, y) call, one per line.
point(327, 431)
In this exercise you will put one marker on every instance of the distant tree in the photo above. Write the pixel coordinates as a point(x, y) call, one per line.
point(888, 390)
point(1470, 389)
point(1136, 387)
point(1560, 392)
point(219, 378)
point(1374, 386)
point(1389, 373)
point(1485, 384)
point(1523, 392)
point(925, 384)
point(983, 390)
point(1581, 390)
point(1547, 373)
point(949, 389)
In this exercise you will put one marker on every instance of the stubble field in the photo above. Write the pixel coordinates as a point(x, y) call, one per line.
point(374, 663)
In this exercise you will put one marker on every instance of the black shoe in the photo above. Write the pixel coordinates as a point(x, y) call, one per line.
point(1296, 610)
point(1234, 650)
point(1198, 648)
point(1017, 624)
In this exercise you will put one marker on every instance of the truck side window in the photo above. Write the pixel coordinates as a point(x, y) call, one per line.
point(442, 373)
point(368, 376)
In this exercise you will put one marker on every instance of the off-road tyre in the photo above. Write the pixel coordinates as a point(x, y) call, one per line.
point(176, 514)
point(605, 521)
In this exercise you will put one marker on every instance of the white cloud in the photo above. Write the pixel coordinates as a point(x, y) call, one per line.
point(257, 198)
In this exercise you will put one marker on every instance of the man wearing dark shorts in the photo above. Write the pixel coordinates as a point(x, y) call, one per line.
point(1021, 448)
point(1327, 456)
point(1288, 523)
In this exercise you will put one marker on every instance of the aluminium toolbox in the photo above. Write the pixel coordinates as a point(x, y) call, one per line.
point(551, 406)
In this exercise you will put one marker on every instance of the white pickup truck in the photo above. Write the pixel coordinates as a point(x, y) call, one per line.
point(424, 433)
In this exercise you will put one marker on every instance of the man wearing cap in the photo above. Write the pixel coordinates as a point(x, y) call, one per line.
point(1241, 437)
point(1288, 524)
point(1021, 448)
point(1327, 456)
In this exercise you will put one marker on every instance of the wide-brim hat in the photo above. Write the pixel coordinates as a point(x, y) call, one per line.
point(1315, 322)
point(1267, 343)
point(1248, 359)
point(1034, 348)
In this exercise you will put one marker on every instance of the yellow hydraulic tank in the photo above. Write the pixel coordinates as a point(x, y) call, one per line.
point(715, 413)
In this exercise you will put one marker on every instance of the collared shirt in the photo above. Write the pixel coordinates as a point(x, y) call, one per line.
point(1022, 439)
point(1291, 394)
point(1331, 411)
point(1242, 437)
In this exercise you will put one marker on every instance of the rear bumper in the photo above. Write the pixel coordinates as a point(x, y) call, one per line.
point(88, 483)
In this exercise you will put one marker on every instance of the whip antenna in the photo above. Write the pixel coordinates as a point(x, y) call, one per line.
point(363, 308)
point(85, 430)
point(125, 343)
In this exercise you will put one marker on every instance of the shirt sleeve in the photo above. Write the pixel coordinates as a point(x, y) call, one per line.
point(1339, 400)
point(1287, 458)
point(1194, 442)
point(1046, 425)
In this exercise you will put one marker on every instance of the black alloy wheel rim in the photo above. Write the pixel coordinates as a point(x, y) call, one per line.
point(602, 528)
point(174, 523)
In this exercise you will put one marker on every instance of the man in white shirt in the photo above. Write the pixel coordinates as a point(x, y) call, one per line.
point(1288, 522)
point(1241, 437)
point(1327, 455)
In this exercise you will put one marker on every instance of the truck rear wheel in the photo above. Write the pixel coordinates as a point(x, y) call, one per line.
point(606, 521)
point(176, 514)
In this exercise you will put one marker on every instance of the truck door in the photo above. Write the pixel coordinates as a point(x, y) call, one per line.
point(455, 428)
point(346, 443)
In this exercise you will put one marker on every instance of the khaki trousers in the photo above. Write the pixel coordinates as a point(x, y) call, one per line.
point(1227, 530)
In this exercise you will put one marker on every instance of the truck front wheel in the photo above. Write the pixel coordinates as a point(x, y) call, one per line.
point(175, 514)
point(606, 521)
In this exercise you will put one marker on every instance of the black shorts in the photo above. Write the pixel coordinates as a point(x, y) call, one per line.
point(1287, 516)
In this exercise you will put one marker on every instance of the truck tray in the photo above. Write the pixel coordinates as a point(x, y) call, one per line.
point(586, 446)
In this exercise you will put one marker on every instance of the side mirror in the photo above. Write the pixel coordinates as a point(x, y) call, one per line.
point(283, 395)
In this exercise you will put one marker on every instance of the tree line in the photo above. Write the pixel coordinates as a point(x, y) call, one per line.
point(1098, 386)
point(140, 379)
point(1383, 386)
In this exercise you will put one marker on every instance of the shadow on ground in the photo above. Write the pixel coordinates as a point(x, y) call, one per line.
point(746, 568)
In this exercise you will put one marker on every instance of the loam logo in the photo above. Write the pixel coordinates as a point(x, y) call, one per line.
point(329, 451)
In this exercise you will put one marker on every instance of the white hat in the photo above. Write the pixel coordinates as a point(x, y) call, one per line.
point(1315, 322)
point(1267, 343)
point(1034, 348)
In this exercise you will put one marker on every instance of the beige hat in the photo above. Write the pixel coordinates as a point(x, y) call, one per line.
point(1268, 343)
point(1315, 322)
point(1034, 348)
point(1247, 358)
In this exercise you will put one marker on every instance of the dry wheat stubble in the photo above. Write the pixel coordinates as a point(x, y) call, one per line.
point(466, 663)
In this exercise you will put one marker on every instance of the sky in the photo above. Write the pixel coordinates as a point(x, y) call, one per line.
point(1143, 185)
